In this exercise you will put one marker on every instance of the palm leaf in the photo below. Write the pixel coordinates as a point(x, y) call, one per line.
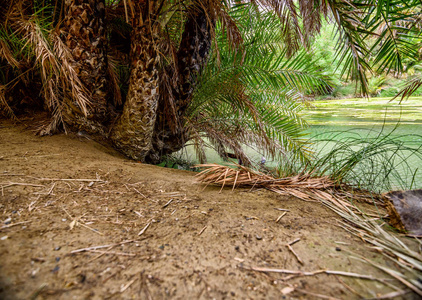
point(253, 97)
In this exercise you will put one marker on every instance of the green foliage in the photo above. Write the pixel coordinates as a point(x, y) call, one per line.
point(253, 95)
point(175, 161)
point(344, 90)
point(387, 36)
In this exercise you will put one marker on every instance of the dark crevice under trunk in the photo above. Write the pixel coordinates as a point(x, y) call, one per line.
point(170, 132)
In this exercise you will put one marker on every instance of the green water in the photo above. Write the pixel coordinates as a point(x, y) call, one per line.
point(365, 112)
point(352, 118)
point(363, 115)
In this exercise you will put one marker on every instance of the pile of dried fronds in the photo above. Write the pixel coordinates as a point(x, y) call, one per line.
point(246, 177)
point(304, 186)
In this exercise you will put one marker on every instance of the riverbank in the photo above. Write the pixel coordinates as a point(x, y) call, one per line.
point(78, 220)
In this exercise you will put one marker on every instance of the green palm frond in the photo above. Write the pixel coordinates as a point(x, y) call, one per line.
point(370, 34)
point(376, 35)
point(396, 27)
point(254, 97)
point(351, 35)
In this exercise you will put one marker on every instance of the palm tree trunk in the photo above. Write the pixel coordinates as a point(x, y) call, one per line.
point(133, 132)
point(83, 32)
point(170, 133)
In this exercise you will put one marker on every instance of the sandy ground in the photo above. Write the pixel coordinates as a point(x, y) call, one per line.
point(78, 221)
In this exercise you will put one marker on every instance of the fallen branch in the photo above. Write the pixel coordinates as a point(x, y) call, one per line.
point(103, 246)
point(68, 179)
point(294, 253)
point(394, 275)
point(14, 224)
point(7, 184)
point(288, 245)
point(293, 242)
point(90, 228)
point(12, 174)
point(124, 288)
point(391, 295)
point(168, 203)
point(98, 256)
point(140, 193)
point(76, 222)
point(303, 273)
point(282, 215)
point(112, 252)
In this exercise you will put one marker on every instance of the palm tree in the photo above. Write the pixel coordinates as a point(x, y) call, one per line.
point(133, 131)
point(83, 34)
point(145, 106)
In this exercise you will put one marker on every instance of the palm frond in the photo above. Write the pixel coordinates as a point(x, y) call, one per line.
point(50, 58)
point(397, 32)
point(351, 35)
point(71, 81)
point(4, 105)
point(114, 80)
point(36, 38)
point(253, 97)
point(410, 88)
point(6, 54)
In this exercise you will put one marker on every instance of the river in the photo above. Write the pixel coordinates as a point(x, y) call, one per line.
point(347, 120)
point(340, 120)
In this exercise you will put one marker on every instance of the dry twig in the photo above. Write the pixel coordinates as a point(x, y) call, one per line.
point(14, 224)
point(112, 253)
point(124, 288)
point(202, 230)
point(144, 229)
point(294, 253)
point(168, 203)
point(282, 215)
point(103, 246)
point(303, 273)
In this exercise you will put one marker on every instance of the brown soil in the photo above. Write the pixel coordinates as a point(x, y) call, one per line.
point(200, 243)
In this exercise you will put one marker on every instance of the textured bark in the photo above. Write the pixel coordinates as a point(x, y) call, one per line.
point(170, 134)
point(133, 132)
point(83, 32)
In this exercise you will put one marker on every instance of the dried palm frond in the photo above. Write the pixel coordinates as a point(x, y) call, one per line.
point(409, 89)
point(6, 53)
point(230, 27)
point(4, 105)
point(241, 176)
point(387, 243)
point(51, 125)
point(47, 62)
point(36, 38)
point(199, 145)
point(70, 79)
point(306, 185)
point(56, 67)
point(114, 78)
